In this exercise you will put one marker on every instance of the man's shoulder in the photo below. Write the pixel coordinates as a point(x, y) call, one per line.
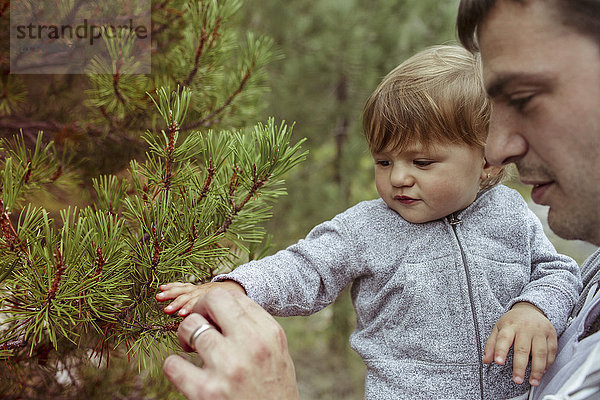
point(590, 275)
point(590, 269)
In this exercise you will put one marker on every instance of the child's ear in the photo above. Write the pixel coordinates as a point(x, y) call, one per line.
point(488, 170)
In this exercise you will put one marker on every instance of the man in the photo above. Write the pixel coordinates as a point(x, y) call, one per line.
point(541, 69)
point(541, 63)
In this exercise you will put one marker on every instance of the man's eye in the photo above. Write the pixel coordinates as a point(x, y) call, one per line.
point(423, 163)
point(519, 102)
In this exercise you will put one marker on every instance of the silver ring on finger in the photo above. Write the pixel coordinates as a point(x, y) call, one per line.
point(197, 332)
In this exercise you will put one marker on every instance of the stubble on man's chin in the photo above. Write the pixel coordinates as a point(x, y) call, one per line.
point(574, 226)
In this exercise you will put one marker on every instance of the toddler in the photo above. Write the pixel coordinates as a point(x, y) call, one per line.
point(446, 258)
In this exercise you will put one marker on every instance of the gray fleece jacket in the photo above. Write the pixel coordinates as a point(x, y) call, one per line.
point(426, 296)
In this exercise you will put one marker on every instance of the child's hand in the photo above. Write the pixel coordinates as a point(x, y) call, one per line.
point(531, 332)
point(184, 295)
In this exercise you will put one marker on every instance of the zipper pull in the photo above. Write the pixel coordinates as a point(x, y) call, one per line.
point(453, 219)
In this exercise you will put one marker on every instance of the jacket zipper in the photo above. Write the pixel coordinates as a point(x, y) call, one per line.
point(453, 220)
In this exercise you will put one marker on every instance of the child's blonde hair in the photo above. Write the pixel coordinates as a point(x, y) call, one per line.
point(436, 96)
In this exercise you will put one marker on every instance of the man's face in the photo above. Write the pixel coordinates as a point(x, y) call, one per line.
point(544, 81)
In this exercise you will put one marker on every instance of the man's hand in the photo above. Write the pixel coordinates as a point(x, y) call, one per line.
point(245, 357)
point(525, 326)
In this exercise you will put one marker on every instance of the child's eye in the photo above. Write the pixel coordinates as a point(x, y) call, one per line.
point(383, 163)
point(423, 163)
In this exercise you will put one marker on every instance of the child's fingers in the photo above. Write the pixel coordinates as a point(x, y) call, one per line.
point(166, 286)
point(504, 340)
point(522, 349)
point(539, 359)
point(178, 303)
point(490, 346)
point(187, 308)
point(172, 290)
point(185, 295)
point(552, 349)
point(172, 285)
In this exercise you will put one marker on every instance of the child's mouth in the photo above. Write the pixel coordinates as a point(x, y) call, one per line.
point(405, 199)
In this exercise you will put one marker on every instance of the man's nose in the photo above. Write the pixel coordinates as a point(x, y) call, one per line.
point(505, 142)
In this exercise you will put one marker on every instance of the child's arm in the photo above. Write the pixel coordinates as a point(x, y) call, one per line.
point(184, 295)
point(528, 329)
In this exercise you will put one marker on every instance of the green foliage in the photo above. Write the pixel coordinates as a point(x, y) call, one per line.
point(170, 202)
point(195, 43)
point(14, 102)
point(89, 279)
point(27, 169)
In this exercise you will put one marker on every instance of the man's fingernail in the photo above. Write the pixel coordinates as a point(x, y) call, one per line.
point(534, 382)
point(518, 380)
point(499, 360)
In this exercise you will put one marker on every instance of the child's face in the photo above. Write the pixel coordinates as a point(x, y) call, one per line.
point(425, 185)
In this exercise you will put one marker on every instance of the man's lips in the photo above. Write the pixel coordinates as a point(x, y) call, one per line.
point(539, 190)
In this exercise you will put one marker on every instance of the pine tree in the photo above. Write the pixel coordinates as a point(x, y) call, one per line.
point(77, 287)
point(195, 43)
point(88, 281)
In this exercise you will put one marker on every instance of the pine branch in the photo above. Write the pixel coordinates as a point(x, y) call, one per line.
point(168, 327)
point(200, 49)
point(9, 233)
point(192, 237)
point(159, 6)
point(60, 270)
point(27, 172)
point(57, 174)
point(209, 178)
point(172, 16)
point(170, 150)
point(100, 261)
point(257, 183)
point(117, 91)
point(107, 117)
point(14, 242)
point(209, 119)
point(156, 247)
point(13, 344)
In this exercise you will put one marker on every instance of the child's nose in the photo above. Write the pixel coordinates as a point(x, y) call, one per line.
point(401, 177)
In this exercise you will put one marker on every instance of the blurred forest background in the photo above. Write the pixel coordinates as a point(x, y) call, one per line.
point(326, 58)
